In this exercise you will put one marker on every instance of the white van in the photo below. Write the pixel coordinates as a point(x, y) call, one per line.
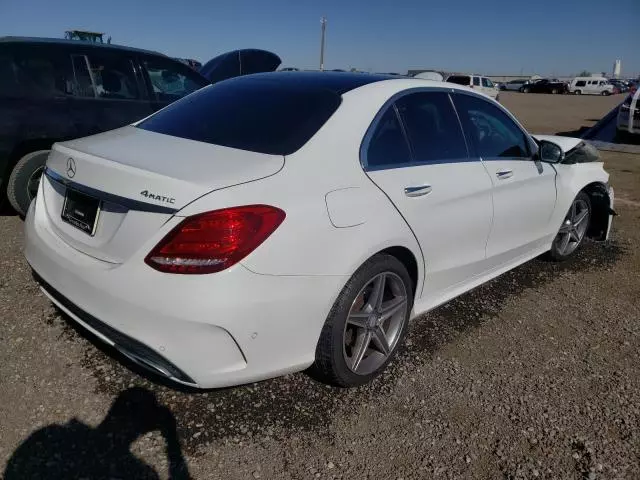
point(591, 86)
point(478, 82)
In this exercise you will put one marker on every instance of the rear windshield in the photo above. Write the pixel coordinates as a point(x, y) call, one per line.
point(460, 79)
point(259, 115)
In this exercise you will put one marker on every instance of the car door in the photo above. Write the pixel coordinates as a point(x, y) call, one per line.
point(524, 190)
point(168, 80)
point(476, 83)
point(416, 153)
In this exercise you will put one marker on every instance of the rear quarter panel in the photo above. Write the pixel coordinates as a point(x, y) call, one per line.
point(307, 242)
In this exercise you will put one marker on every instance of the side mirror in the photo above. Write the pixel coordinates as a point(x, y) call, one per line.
point(550, 152)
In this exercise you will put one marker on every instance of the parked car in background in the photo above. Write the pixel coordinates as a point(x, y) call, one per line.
point(430, 75)
point(591, 86)
point(545, 85)
point(514, 85)
point(289, 69)
point(621, 85)
point(477, 82)
point(55, 90)
point(235, 236)
point(628, 120)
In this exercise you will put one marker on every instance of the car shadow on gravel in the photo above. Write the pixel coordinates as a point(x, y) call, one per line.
point(279, 407)
point(77, 450)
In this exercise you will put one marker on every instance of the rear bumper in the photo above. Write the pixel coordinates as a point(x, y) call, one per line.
point(207, 331)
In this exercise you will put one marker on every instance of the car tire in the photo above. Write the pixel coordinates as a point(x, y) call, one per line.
point(526, 90)
point(577, 92)
point(573, 229)
point(24, 180)
point(350, 351)
point(606, 93)
point(554, 91)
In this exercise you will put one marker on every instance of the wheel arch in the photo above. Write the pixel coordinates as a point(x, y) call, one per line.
point(408, 259)
point(23, 148)
point(600, 210)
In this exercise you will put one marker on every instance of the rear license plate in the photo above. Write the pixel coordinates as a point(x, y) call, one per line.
point(81, 211)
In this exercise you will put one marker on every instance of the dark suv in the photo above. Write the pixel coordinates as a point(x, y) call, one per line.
point(53, 90)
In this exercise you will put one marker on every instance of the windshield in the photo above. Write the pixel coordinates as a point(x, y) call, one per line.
point(258, 115)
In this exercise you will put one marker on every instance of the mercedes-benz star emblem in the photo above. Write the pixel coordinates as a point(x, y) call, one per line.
point(71, 167)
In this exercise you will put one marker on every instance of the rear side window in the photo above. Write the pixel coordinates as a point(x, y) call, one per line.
point(460, 80)
point(113, 77)
point(171, 81)
point(432, 127)
point(259, 115)
point(493, 133)
point(38, 72)
point(388, 146)
point(580, 83)
point(476, 81)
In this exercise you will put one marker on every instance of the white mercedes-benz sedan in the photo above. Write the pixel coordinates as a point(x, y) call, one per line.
point(276, 222)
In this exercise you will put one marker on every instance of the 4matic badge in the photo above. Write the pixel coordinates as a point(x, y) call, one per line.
point(153, 196)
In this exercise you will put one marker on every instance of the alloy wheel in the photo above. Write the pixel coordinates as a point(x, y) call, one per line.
point(375, 323)
point(573, 228)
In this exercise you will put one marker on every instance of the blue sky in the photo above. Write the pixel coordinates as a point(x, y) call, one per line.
point(548, 37)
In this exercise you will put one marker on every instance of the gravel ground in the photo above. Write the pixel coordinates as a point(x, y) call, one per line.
point(570, 113)
point(534, 375)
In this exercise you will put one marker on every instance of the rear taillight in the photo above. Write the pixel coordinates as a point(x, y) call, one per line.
point(212, 241)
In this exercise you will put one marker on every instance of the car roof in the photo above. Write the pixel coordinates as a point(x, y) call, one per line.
point(62, 41)
point(336, 82)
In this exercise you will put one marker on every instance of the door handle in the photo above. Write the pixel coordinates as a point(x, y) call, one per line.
point(504, 174)
point(417, 191)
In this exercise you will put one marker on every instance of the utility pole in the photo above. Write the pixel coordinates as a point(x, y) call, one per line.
point(323, 26)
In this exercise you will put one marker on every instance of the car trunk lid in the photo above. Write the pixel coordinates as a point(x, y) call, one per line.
point(140, 179)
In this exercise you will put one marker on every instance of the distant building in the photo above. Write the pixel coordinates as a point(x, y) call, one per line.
point(617, 68)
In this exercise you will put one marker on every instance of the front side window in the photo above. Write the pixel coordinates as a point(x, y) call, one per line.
point(388, 146)
point(432, 127)
point(487, 83)
point(172, 81)
point(493, 133)
point(112, 77)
